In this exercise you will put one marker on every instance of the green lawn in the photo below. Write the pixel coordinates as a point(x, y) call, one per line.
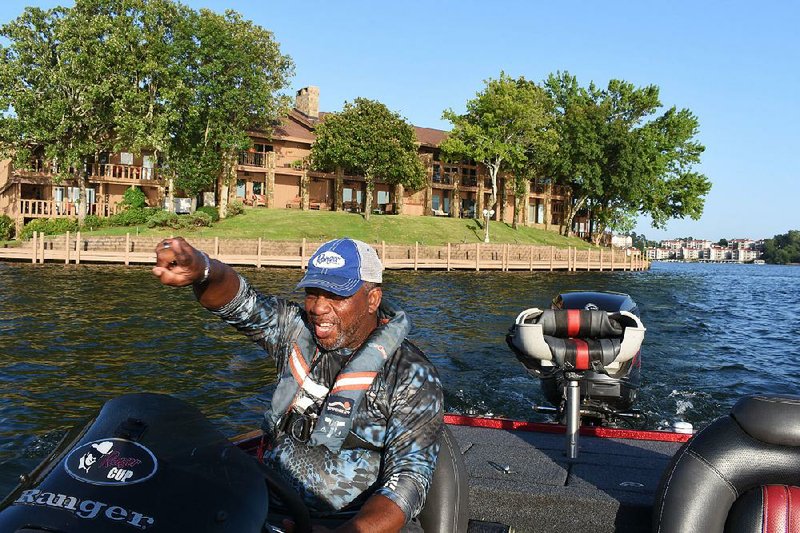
point(294, 224)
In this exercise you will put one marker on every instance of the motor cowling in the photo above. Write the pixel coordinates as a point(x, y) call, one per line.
point(147, 462)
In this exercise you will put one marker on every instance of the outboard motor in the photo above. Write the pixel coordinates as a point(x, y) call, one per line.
point(147, 462)
point(585, 351)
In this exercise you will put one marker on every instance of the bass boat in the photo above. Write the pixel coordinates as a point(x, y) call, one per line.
point(153, 463)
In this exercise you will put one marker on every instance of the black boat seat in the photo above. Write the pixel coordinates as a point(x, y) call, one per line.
point(576, 339)
point(446, 507)
point(741, 474)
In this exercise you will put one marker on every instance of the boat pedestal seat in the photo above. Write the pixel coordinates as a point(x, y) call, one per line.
point(576, 339)
point(577, 342)
point(446, 507)
point(740, 474)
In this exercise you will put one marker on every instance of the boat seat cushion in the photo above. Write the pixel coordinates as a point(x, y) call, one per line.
point(766, 509)
point(772, 419)
point(579, 323)
point(575, 339)
point(583, 354)
point(446, 507)
point(725, 461)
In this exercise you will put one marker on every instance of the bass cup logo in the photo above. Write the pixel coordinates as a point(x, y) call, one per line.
point(111, 462)
point(328, 260)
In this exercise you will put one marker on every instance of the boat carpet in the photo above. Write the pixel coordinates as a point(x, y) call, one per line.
point(525, 480)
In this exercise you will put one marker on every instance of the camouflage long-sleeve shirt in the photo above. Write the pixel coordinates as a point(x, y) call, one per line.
point(396, 426)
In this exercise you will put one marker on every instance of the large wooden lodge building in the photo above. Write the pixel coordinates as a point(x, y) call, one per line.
point(274, 174)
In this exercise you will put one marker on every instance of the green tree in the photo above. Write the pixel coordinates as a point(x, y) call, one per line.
point(783, 249)
point(723, 242)
point(620, 160)
point(368, 139)
point(58, 85)
point(236, 71)
point(506, 127)
point(641, 242)
point(138, 74)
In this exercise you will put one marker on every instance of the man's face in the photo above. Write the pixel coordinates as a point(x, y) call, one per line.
point(342, 322)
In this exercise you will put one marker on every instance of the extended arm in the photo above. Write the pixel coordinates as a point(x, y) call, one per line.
point(179, 264)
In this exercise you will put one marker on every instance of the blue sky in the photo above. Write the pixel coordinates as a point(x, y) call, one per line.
point(736, 65)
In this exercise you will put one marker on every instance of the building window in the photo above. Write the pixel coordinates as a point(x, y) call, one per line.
point(240, 188)
point(449, 174)
point(256, 187)
point(469, 177)
point(348, 196)
point(383, 197)
point(126, 158)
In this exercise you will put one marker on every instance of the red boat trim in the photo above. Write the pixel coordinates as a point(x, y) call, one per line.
point(600, 432)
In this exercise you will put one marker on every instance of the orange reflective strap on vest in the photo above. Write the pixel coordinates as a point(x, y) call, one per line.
point(353, 381)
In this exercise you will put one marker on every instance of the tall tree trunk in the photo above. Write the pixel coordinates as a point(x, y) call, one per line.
point(399, 192)
point(573, 208)
point(226, 178)
point(82, 200)
point(517, 208)
point(368, 197)
point(171, 195)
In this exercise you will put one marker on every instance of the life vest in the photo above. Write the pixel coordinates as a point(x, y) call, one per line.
point(298, 399)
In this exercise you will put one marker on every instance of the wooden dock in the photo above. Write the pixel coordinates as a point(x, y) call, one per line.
point(131, 250)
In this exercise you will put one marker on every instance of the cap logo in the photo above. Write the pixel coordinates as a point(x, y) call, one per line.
point(328, 260)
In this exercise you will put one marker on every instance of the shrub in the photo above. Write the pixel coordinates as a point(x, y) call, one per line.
point(235, 208)
point(131, 217)
point(162, 219)
point(211, 211)
point(92, 222)
point(134, 198)
point(6, 228)
point(49, 226)
point(198, 219)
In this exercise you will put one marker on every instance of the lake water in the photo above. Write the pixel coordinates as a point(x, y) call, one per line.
point(72, 337)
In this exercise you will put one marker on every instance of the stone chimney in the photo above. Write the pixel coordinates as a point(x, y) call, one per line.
point(307, 101)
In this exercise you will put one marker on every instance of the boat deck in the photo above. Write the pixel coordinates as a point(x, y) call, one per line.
point(524, 479)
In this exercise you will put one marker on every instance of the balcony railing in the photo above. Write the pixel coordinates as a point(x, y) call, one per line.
point(438, 178)
point(125, 172)
point(253, 159)
point(469, 182)
point(101, 171)
point(62, 209)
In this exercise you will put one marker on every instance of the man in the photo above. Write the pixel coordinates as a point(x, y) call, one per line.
point(357, 410)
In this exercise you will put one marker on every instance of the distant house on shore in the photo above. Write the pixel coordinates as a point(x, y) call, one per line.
point(275, 174)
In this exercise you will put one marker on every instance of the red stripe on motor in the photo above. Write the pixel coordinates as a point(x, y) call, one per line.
point(573, 322)
point(581, 354)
